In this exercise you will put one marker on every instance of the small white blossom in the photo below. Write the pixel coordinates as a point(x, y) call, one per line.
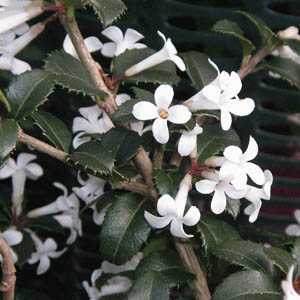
point(15, 13)
point(120, 43)
point(92, 43)
point(222, 94)
point(294, 229)
point(188, 141)
point(237, 165)
point(214, 184)
point(122, 98)
point(288, 287)
point(19, 171)
point(94, 120)
point(167, 53)
point(172, 211)
point(12, 237)
point(161, 112)
point(44, 251)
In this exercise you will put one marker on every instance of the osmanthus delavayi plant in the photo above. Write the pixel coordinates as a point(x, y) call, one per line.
point(165, 175)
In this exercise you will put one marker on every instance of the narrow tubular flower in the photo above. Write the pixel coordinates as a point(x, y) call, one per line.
point(16, 13)
point(167, 53)
point(237, 165)
point(172, 211)
point(222, 94)
point(44, 251)
point(288, 287)
point(188, 141)
point(120, 43)
point(92, 43)
point(294, 229)
point(214, 184)
point(19, 171)
point(94, 120)
point(161, 112)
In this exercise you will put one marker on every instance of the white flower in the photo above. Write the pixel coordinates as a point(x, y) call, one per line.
point(167, 53)
point(44, 251)
point(122, 98)
point(294, 229)
point(285, 51)
point(161, 112)
point(214, 184)
point(222, 94)
point(9, 50)
point(120, 43)
point(237, 165)
point(254, 195)
point(288, 288)
point(92, 43)
point(20, 170)
point(15, 13)
point(12, 237)
point(188, 141)
point(94, 120)
point(172, 211)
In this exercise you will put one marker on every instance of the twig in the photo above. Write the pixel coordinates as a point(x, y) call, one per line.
point(8, 282)
point(158, 157)
point(42, 146)
point(136, 187)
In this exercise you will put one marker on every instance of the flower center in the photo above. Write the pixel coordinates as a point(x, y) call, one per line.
point(163, 113)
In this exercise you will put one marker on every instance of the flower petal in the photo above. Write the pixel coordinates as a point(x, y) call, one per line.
point(12, 237)
point(132, 36)
point(242, 107)
point(122, 98)
point(297, 215)
point(160, 130)
point(212, 93)
point(231, 85)
point(226, 119)
point(8, 170)
point(255, 173)
point(177, 230)
point(233, 154)
point(19, 67)
point(69, 47)
point(179, 114)
point(218, 202)
point(186, 144)
point(163, 96)
point(239, 181)
point(24, 159)
point(192, 216)
point(145, 110)
point(113, 33)
point(166, 206)
point(252, 150)
point(34, 171)
point(178, 61)
point(205, 186)
point(93, 44)
point(44, 265)
point(157, 222)
point(293, 230)
point(50, 245)
point(109, 49)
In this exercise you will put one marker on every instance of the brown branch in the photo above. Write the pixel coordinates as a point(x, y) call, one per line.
point(158, 157)
point(8, 283)
point(42, 146)
point(136, 187)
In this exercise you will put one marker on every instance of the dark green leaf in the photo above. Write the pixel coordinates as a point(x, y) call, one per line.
point(214, 232)
point(124, 230)
point(71, 74)
point(4, 101)
point(24, 249)
point(8, 137)
point(214, 140)
point(286, 68)
point(150, 286)
point(247, 285)
point(200, 71)
point(163, 73)
point(54, 129)
point(94, 157)
point(25, 294)
point(46, 223)
point(232, 28)
point(107, 10)
point(280, 258)
point(28, 91)
point(243, 253)
point(164, 182)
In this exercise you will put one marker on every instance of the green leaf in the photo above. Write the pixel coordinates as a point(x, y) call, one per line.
point(24, 249)
point(232, 28)
point(5, 102)
point(293, 44)
point(46, 223)
point(214, 232)
point(71, 74)
point(124, 230)
point(200, 71)
point(54, 129)
point(267, 35)
point(107, 10)
point(214, 140)
point(8, 137)
point(94, 157)
point(163, 73)
point(167, 264)
point(286, 68)
point(280, 258)
point(25, 294)
point(28, 91)
point(247, 285)
point(150, 286)
point(164, 182)
point(243, 253)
